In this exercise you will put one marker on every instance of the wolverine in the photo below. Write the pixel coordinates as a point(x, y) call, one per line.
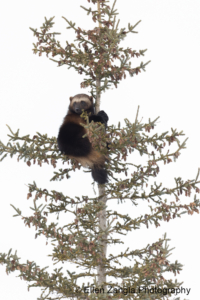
point(70, 137)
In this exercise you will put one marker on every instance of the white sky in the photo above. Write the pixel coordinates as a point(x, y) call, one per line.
point(34, 95)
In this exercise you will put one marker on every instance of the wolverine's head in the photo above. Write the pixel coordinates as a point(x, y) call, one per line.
point(81, 102)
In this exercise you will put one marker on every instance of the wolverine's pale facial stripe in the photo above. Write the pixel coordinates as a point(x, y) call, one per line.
point(76, 99)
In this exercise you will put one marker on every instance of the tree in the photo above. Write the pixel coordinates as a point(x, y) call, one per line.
point(86, 241)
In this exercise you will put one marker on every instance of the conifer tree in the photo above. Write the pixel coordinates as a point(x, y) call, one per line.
point(97, 54)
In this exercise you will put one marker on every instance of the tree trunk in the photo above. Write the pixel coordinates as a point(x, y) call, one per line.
point(102, 214)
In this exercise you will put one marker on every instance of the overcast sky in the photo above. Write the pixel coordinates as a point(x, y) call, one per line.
point(35, 93)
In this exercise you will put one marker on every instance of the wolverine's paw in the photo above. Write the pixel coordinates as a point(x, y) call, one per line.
point(108, 145)
point(103, 115)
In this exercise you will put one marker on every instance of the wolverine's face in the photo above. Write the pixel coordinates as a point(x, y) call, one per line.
point(80, 102)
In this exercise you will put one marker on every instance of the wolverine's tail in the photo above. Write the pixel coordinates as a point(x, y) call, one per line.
point(99, 174)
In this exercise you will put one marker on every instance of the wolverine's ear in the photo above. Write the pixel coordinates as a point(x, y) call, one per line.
point(70, 98)
point(91, 99)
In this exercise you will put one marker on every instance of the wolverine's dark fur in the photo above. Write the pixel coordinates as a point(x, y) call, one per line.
point(70, 138)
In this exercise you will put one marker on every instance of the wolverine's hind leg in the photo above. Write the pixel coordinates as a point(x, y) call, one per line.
point(96, 161)
point(99, 174)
